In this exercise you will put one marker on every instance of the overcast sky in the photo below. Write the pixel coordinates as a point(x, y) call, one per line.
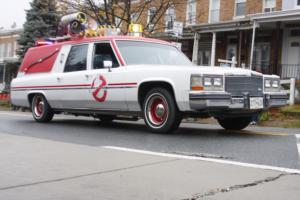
point(13, 11)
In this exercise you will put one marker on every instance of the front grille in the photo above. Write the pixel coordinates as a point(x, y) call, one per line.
point(242, 85)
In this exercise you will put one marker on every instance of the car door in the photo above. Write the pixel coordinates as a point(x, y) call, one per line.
point(107, 86)
point(74, 81)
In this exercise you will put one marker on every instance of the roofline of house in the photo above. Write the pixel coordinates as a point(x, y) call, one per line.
point(9, 60)
point(6, 32)
point(286, 15)
point(238, 24)
point(247, 22)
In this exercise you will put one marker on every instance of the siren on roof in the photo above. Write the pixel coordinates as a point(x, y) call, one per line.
point(79, 25)
point(39, 43)
point(79, 17)
point(135, 30)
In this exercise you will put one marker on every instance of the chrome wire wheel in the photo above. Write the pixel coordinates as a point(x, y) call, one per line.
point(157, 110)
point(39, 106)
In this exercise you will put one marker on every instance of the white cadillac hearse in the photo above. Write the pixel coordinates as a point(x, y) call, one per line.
point(123, 77)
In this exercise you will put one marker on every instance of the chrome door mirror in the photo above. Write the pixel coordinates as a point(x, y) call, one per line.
point(108, 64)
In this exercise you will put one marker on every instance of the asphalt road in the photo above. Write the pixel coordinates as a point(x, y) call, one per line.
point(264, 146)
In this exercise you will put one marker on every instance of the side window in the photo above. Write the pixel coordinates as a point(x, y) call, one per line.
point(77, 58)
point(103, 52)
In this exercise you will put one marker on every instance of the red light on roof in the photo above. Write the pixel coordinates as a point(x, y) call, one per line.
point(39, 43)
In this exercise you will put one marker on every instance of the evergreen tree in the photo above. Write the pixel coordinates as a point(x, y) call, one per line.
point(41, 22)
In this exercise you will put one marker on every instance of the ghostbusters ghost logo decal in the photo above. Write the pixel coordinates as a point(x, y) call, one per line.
point(99, 89)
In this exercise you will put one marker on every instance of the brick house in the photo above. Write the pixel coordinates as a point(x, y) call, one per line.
point(8, 56)
point(261, 34)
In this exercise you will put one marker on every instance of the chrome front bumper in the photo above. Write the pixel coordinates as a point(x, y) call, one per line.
point(216, 101)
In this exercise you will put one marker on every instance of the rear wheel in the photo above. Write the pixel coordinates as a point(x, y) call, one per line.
point(41, 110)
point(160, 111)
point(235, 123)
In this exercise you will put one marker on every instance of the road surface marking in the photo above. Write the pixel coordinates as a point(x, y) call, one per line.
point(256, 166)
point(262, 133)
point(15, 114)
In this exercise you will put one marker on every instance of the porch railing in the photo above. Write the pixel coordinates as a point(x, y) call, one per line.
point(290, 71)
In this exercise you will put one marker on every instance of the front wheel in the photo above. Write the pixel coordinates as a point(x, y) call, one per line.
point(160, 111)
point(235, 123)
point(41, 110)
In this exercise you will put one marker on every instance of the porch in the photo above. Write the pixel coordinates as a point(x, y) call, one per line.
point(267, 43)
point(8, 70)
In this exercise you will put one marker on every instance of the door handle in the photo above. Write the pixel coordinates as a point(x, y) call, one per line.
point(58, 78)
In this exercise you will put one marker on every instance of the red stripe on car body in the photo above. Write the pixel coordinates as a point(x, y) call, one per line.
point(122, 84)
point(51, 86)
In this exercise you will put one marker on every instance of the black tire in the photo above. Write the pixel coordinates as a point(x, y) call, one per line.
point(235, 123)
point(106, 118)
point(40, 108)
point(160, 111)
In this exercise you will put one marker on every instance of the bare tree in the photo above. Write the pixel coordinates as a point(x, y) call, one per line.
point(122, 13)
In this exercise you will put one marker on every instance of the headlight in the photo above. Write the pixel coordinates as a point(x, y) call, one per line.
point(213, 82)
point(272, 85)
point(196, 82)
point(275, 84)
point(207, 81)
point(217, 82)
point(268, 83)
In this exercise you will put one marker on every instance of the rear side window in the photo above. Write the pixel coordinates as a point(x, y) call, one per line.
point(77, 58)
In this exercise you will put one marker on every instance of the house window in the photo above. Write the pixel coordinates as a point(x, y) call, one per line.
point(191, 12)
point(298, 2)
point(1, 73)
point(1, 50)
point(295, 33)
point(5, 49)
point(214, 13)
point(15, 49)
point(240, 8)
point(269, 5)
point(170, 17)
point(151, 15)
point(134, 17)
point(204, 57)
point(9, 50)
point(261, 59)
point(118, 22)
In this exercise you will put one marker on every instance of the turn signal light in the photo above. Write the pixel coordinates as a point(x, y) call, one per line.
point(197, 88)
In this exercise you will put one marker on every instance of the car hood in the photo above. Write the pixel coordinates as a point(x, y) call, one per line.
point(227, 71)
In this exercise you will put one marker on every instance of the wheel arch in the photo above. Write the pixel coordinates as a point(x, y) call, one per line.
point(145, 86)
point(31, 94)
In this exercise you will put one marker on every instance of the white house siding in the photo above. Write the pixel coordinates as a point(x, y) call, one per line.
point(288, 4)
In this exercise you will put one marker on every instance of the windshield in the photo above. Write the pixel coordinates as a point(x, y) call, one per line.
point(136, 52)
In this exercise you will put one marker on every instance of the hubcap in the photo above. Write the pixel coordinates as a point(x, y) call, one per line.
point(39, 106)
point(160, 110)
point(157, 110)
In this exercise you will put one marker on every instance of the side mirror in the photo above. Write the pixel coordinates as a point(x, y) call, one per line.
point(108, 64)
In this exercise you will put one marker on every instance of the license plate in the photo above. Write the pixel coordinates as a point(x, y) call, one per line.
point(256, 103)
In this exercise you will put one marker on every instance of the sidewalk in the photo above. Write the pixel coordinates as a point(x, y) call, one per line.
point(38, 169)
